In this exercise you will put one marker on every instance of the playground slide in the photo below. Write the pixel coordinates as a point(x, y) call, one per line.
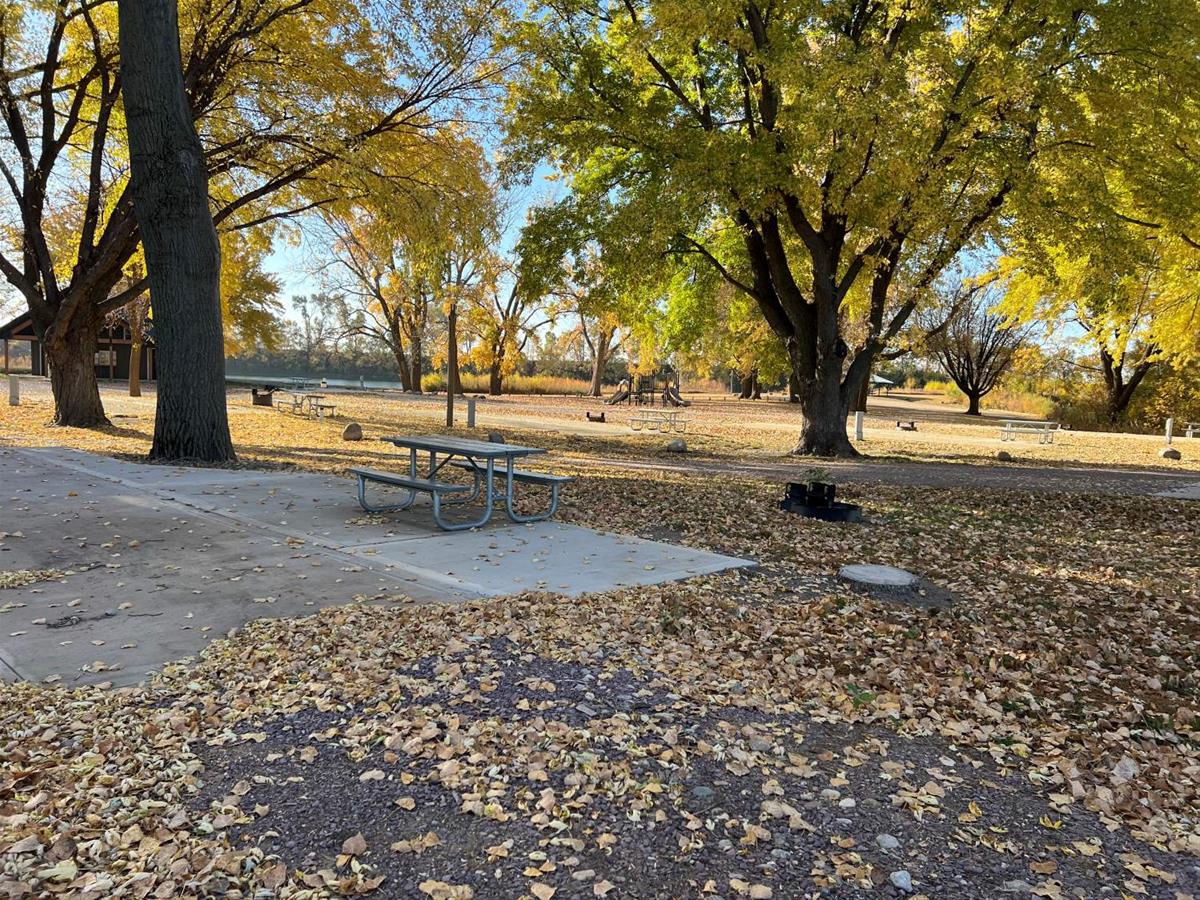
point(619, 397)
point(672, 397)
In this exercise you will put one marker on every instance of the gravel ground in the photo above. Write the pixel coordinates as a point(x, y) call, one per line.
point(823, 810)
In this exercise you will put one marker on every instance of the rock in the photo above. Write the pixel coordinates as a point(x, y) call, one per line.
point(676, 445)
point(1004, 456)
point(902, 881)
point(887, 842)
point(495, 437)
point(760, 744)
point(1170, 453)
point(847, 803)
point(352, 432)
point(830, 794)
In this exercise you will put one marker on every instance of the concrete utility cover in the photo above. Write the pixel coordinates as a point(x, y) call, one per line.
point(162, 559)
point(878, 576)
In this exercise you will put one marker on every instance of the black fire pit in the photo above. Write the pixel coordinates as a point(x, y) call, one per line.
point(815, 500)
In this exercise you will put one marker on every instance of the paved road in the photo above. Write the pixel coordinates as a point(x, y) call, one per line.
point(1051, 479)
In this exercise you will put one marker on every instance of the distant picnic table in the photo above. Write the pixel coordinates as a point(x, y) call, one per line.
point(1045, 431)
point(304, 403)
point(480, 459)
point(663, 420)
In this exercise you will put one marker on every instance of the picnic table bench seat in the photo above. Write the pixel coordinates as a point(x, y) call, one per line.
point(1193, 429)
point(414, 485)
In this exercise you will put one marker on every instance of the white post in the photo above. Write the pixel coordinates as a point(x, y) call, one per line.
point(470, 412)
point(14, 390)
point(858, 425)
point(1170, 428)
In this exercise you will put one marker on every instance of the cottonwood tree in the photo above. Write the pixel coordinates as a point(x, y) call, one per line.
point(844, 143)
point(283, 120)
point(976, 345)
point(500, 323)
point(389, 246)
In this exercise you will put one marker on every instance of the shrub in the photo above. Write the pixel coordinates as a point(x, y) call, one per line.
point(513, 384)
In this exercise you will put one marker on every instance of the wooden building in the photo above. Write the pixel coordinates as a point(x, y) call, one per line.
point(112, 352)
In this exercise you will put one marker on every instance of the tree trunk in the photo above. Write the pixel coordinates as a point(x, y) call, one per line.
point(135, 367)
point(599, 363)
point(72, 362)
point(417, 367)
point(793, 387)
point(824, 405)
point(749, 380)
point(495, 379)
point(183, 257)
point(973, 404)
point(864, 391)
point(756, 386)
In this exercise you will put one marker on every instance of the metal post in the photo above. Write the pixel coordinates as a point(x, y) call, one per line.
point(471, 412)
point(858, 425)
point(1170, 428)
point(14, 390)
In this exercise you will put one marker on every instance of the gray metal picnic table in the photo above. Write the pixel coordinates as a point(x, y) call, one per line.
point(477, 457)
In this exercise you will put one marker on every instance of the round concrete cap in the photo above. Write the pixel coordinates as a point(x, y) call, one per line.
point(877, 576)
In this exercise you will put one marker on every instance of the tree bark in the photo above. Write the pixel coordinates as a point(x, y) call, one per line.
point(183, 257)
point(495, 378)
point(72, 361)
point(793, 387)
point(823, 411)
point(973, 405)
point(864, 392)
point(599, 363)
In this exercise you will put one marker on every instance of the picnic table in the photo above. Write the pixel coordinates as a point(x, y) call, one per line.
point(306, 403)
point(1044, 430)
point(664, 420)
point(1193, 429)
point(484, 460)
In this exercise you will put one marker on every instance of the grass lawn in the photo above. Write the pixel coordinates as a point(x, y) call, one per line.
point(770, 733)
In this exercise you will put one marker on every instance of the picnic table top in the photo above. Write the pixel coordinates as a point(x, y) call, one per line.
point(1030, 422)
point(461, 446)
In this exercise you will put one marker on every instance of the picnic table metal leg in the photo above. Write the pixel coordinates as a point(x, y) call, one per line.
point(393, 507)
point(487, 506)
point(536, 517)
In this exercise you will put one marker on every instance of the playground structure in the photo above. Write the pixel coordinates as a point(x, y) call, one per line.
point(647, 390)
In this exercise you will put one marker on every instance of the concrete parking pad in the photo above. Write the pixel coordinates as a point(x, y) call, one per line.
point(161, 559)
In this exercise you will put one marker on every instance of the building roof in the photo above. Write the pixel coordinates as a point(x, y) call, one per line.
point(22, 324)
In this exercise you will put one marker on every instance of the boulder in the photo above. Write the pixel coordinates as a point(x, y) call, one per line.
point(1170, 453)
point(352, 432)
point(676, 445)
point(1004, 456)
point(495, 437)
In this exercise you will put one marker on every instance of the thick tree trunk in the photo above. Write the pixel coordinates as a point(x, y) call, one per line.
point(495, 379)
point(749, 385)
point(599, 362)
point(793, 387)
point(973, 404)
point(72, 362)
point(823, 430)
point(864, 392)
point(183, 256)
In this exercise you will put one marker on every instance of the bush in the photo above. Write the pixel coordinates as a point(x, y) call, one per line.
point(513, 384)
